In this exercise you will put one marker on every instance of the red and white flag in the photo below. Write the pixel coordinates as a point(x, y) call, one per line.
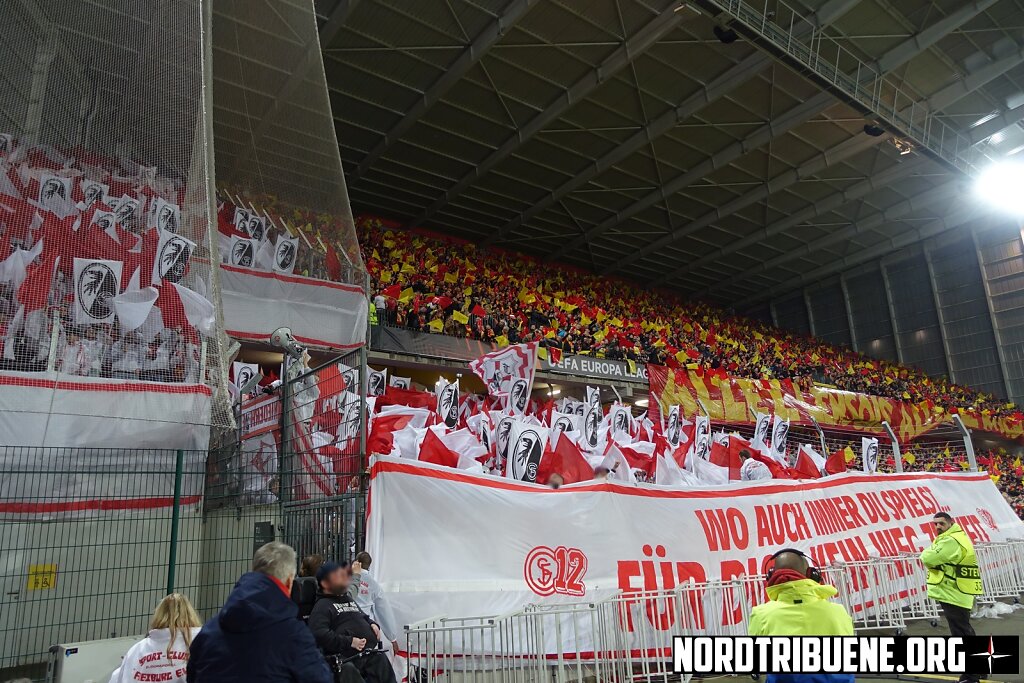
point(808, 464)
point(508, 373)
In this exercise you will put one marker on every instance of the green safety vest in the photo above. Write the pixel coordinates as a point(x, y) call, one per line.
point(373, 314)
point(964, 576)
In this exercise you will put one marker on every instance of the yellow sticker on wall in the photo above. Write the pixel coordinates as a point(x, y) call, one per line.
point(42, 577)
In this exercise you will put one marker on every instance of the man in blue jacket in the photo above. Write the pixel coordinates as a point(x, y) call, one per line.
point(257, 636)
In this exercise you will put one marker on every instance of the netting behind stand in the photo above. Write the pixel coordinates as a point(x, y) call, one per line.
point(106, 196)
point(276, 146)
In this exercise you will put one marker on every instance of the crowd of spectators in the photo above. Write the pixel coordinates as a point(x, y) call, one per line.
point(437, 284)
point(81, 234)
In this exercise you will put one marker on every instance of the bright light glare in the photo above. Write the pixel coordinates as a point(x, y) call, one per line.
point(1001, 185)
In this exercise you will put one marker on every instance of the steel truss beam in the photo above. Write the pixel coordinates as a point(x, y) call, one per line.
point(832, 202)
point(639, 43)
point(782, 124)
point(940, 100)
point(472, 54)
point(734, 77)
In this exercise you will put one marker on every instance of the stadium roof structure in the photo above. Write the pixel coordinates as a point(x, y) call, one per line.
point(731, 149)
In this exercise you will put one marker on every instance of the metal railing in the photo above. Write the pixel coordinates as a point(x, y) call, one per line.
point(629, 634)
point(803, 42)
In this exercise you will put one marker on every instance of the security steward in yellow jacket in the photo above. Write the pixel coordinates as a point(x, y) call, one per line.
point(953, 577)
point(799, 605)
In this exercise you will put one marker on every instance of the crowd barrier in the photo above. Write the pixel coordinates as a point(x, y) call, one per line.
point(629, 634)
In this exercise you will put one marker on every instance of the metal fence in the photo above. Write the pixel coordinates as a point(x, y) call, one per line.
point(92, 539)
point(628, 635)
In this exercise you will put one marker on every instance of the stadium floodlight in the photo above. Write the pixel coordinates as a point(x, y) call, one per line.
point(1000, 185)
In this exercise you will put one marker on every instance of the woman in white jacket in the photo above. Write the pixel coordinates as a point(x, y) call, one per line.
point(164, 652)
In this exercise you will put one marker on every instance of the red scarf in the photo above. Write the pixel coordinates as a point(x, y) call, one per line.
point(280, 584)
point(784, 576)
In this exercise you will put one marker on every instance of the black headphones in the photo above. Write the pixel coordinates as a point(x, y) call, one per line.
point(812, 573)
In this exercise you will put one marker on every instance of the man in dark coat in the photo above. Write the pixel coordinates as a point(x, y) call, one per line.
point(257, 636)
point(342, 628)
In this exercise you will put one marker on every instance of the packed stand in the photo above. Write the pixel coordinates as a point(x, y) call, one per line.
point(264, 233)
point(441, 285)
point(97, 276)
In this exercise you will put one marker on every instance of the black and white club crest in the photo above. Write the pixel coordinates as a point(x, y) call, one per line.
point(167, 217)
point(871, 456)
point(621, 423)
point(376, 384)
point(501, 434)
point(563, 424)
point(590, 425)
point(350, 379)
point(93, 191)
point(673, 428)
point(448, 405)
point(779, 434)
point(526, 456)
point(126, 209)
point(242, 220)
point(702, 438)
point(519, 395)
point(352, 420)
point(581, 408)
point(97, 285)
point(400, 382)
point(761, 429)
point(245, 374)
point(104, 220)
point(241, 253)
point(53, 188)
point(257, 228)
point(174, 258)
point(284, 255)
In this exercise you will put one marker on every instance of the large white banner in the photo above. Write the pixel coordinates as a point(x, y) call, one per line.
point(47, 409)
point(322, 314)
point(449, 542)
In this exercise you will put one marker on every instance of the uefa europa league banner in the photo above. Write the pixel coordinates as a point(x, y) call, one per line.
point(447, 542)
point(731, 399)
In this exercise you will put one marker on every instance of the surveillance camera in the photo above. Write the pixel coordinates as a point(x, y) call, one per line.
point(282, 338)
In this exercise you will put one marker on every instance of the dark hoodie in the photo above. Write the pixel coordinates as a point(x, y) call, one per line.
point(336, 620)
point(256, 638)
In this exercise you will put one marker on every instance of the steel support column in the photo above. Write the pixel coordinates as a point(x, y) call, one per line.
point(849, 312)
point(934, 284)
point(996, 332)
point(892, 313)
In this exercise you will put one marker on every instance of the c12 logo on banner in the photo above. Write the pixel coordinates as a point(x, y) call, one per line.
point(560, 570)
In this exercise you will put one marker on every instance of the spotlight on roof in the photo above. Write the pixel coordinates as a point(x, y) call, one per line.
point(904, 147)
point(874, 130)
point(724, 34)
point(999, 186)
